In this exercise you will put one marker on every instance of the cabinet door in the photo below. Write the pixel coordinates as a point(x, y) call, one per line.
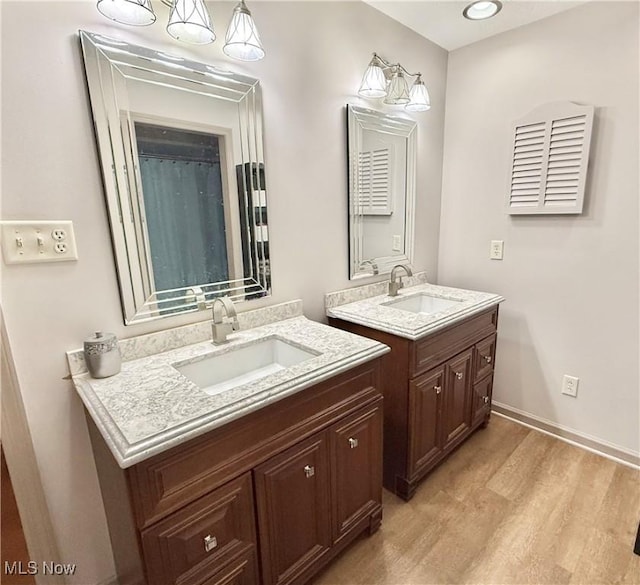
point(456, 415)
point(425, 412)
point(481, 400)
point(356, 469)
point(294, 514)
point(202, 542)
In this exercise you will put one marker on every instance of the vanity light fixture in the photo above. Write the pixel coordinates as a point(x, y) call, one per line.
point(189, 21)
point(385, 80)
point(242, 40)
point(482, 9)
point(132, 12)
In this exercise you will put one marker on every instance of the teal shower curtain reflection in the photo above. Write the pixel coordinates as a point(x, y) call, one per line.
point(184, 210)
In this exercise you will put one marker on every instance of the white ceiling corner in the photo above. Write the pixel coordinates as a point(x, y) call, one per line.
point(441, 21)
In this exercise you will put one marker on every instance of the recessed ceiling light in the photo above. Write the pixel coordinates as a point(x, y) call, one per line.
point(482, 9)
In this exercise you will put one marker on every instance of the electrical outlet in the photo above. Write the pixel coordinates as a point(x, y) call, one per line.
point(397, 244)
point(570, 385)
point(497, 249)
point(37, 241)
point(58, 234)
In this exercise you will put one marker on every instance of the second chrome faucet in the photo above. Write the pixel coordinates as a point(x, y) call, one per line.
point(395, 283)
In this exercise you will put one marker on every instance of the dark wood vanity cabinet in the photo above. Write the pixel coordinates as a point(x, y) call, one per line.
point(268, 498)
point(316, 494)
point(437, 392)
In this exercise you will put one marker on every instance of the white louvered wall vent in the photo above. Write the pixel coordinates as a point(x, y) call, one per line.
point(549, 159)
point(374, 182)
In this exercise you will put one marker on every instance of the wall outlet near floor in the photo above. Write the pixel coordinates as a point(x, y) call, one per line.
point(497, 249)
point(570, 385)
point(25, 242)
point(397, 244)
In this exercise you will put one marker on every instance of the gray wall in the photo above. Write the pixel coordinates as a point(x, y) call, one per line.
point(571, 282)
point(316, 55)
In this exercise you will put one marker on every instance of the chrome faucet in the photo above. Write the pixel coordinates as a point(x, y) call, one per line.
point(396, 281)
point(372, 263)
point(197, 296)
point(223, 325)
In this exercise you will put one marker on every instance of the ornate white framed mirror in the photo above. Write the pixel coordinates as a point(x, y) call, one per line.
point(182, 158)
point(382, 183)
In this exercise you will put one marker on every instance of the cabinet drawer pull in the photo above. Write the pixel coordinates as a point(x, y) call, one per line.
point(210, 542)
point(309, 470)
point(459, 375)
point(487, 358)
point(486, 400)
point(438, 389)
point(353, 443)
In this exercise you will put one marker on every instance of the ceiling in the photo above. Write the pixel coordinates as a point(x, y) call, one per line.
point(441, 21)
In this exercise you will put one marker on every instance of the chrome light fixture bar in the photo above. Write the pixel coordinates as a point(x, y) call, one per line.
point(386, 80)
point(189, 22)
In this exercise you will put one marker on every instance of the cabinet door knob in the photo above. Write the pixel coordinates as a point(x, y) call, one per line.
point(210, 542)
point(309, 470)
point(459, 375)
point(438, 389)
point(486, 400)
point(487, 358)
point(353, 443)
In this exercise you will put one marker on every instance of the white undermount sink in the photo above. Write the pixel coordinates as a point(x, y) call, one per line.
point(224, 371)
point(422, 303)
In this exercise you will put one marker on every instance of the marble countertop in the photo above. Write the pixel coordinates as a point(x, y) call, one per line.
point(372, 312)
point(150, 407)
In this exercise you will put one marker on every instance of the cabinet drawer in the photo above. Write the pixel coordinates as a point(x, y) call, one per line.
point(481, 400)
point(439, 347)
point(484, 357)
point(194, 544)
point(241, 570)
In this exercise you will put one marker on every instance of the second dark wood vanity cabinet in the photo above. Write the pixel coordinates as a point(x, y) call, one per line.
point(268, 498)
point(437, 392)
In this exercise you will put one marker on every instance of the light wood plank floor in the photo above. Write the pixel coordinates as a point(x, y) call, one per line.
point(511, 506)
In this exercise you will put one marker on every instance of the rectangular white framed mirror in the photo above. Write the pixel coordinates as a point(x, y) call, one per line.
point(382, 184)
point(182, 158)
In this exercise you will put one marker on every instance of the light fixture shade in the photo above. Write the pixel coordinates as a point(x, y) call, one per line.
point(374, 82)
point(242, 41)
point(398, 91)
point(189, 22)
point(133, 12)
point(418, 97)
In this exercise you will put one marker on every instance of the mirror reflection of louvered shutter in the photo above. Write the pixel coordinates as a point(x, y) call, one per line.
point(549, 160)
point(374, 182)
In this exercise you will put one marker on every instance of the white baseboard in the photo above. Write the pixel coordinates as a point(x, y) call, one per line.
point(608, 450)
